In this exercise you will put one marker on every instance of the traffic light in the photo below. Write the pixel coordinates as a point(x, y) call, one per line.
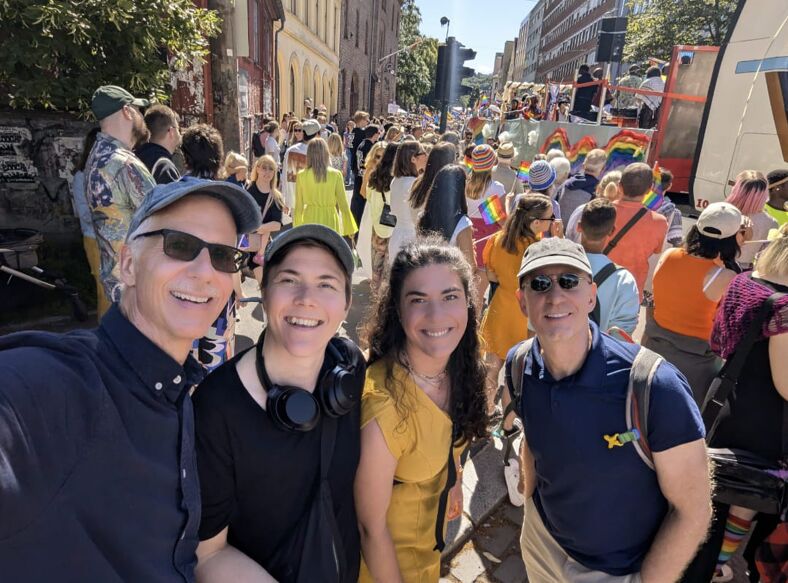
point(452, 70)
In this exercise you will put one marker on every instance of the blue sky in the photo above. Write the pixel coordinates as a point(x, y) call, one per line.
point(482, 25)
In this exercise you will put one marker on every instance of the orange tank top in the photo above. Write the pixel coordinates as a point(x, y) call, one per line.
point(679, 302)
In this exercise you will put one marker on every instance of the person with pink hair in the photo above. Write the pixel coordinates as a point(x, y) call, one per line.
point(749, 195)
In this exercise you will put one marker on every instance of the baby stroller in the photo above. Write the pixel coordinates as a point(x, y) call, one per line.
point(19, 258)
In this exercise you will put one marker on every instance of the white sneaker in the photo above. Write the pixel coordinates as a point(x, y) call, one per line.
point(725, 575)
point(511, 473)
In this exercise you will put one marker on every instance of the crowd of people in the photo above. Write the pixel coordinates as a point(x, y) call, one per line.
point(148, 450)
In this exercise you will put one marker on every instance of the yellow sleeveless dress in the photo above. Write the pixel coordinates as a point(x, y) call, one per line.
point(420, 444)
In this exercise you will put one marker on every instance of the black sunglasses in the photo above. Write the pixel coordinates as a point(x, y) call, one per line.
point(185, 247)
point(542, 283)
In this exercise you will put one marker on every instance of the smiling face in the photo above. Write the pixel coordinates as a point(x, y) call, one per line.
point(173, 302)
point(558, 315)
point(433, 310)
point(305, 300)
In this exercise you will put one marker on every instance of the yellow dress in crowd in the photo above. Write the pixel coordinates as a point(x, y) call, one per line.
point(324, 203)
point(421, 446)
point(504, 324)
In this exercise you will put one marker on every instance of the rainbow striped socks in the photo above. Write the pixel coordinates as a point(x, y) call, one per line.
point(736, 528)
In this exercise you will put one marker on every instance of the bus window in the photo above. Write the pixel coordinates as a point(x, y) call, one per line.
point(777, 84)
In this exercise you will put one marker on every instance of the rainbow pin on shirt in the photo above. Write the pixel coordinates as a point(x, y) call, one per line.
point(492, 210)
point(619, 439)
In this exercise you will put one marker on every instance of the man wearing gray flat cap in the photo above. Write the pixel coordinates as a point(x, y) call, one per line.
point(98, 475)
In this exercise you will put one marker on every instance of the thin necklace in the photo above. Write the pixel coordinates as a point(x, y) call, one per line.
point(434, 380)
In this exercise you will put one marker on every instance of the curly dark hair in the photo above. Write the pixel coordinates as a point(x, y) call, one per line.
point(467, 372)
point(699, 245)
point(203, 150)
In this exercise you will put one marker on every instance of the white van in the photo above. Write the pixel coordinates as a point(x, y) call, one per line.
point(745, 123)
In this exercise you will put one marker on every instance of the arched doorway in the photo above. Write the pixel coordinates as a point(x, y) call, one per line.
point(353, 94)
point(292, 103)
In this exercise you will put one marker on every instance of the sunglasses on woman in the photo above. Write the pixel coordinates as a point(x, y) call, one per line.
point(542, 283)
point(186, 247)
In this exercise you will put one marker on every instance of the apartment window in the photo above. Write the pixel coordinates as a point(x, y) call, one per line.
point(358, 23)
point(254, 8)
point(366, 37)
point(347, 17)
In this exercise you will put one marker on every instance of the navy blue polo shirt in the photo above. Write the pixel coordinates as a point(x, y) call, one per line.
point(603, 506)
point(98, 476)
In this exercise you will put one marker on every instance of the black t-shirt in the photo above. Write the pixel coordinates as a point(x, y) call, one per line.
point(274, 213)
point(260, 480)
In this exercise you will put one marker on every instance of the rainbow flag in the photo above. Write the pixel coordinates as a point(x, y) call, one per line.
point(523, 172)
point(557, 140)
point(484, 101)
point(468, 163)
point(476, 125)
point(492, 210)
point(625, 148)
point(578, 152)
point(654, 199)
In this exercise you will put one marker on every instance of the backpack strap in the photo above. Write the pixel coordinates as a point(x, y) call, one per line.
point(625, 229)
point(601, 277)
point(641, 376)
point(514, 376)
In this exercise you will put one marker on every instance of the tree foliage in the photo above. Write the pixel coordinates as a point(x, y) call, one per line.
point(654, 27)
point(416, 67)
point(57, 52)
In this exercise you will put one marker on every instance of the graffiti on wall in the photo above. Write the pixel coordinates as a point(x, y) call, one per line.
point(15, 163)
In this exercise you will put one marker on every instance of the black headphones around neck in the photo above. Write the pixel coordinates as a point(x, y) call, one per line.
point(338, 388)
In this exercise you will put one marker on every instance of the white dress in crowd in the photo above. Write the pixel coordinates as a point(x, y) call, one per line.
point(405, 231)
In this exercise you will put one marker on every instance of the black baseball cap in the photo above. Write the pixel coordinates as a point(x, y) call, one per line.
point(108, 99)
point(328, 237)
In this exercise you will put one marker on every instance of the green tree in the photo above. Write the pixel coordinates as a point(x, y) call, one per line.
point(56, 52)
point(656, 26)
point(415, 67)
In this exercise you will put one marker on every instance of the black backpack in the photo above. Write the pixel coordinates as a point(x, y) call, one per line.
point(258, 147)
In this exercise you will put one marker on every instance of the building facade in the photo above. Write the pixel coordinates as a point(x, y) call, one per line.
point(570, 35)
point(518, 71)
point(308, 56)
point(532, 41)
point(496, 86)
point(242, 80)
point(367, 75)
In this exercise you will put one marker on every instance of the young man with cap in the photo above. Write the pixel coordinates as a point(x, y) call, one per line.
point(295, 161)
point(278, 428)
point(778, 196)
point(165, 138)
point(116, 180)
point(503, 171)
point(595, 511)
point(98, 478)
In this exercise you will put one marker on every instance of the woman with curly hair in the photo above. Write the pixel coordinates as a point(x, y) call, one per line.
point(423, 403)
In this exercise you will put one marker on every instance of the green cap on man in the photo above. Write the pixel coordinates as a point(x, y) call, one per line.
point(108, 99)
